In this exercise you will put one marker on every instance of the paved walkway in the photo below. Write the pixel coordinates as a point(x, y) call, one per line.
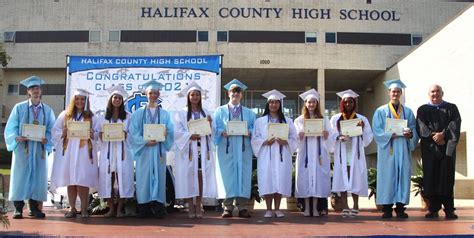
point(293, 225)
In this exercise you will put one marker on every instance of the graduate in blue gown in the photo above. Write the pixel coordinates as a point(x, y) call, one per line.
point(234, 152)
point(394, 153)
point(150, 155)
point(29, 168)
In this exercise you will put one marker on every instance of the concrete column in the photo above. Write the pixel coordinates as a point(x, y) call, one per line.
point(322, 89)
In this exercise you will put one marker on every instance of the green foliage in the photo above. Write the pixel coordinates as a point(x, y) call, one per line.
point(417, 179)
point(97, 205)
point(4, 220)
point(254, 190)
point(4, 57)
point(372, 181)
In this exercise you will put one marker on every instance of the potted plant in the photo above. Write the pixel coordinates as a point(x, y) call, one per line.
point(254, 194)
point(130, 207)
point(372, 183)
point(417, 183)
point(292, 202)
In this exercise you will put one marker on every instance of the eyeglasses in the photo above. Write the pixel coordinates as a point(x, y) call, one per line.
point(236, 90)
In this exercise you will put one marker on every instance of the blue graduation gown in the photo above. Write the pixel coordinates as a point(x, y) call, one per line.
point(393, 171)
point(233, 166)
point(29, 171)
point(150, 169)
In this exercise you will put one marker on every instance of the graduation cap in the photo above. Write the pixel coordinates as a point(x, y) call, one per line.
point(394, 83)
point(84, 93)
point(274, 95)
point(191, 87)
point(312, 93)
point(347, 94)
point(32, 81)
point(152, 85)
point(118, 89)
point(235, 83)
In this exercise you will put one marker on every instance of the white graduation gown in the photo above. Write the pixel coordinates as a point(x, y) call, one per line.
point(273, 170)
point(74, 167)
point(186, 170)
point(111, 160)
point(313, 179)
point(356, 181)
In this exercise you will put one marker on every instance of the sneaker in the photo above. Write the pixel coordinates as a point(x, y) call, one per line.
point(226, 214)
point(268, 214)
point(346, 213)
point(17, 215)
point(307, 213)
point(279, 214)
point(316, 213)
point(354, 213)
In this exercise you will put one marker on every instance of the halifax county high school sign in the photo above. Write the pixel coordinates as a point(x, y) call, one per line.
point(270, 13)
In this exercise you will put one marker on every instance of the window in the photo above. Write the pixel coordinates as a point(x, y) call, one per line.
point(416, 39)
point(114, 36)
point(48, 89)
point(51, 36)
point(94, 36)
point(203, 36)
point(311, 37)
point(158, 36)
point(222, 36)
point(267, 36)
point(9, 36)
point(330, 37)
point(359, 38)
point(13, 89)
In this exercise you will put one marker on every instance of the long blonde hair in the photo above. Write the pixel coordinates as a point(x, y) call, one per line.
point(71, 109)
point(317, 111)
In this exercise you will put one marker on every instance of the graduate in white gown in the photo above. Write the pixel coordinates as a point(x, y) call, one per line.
point(234, 152)
point(274, 154)
point(394, 152)
point(194, 164)
point(28, 180)
point(115, 157)
point(313, 172)
point(350, 167)
point(149, 154)
point(75, 160)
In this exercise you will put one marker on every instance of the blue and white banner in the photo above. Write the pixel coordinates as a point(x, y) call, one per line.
point(97, 73)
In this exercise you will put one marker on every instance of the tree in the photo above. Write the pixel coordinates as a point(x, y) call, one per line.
point(4, 57)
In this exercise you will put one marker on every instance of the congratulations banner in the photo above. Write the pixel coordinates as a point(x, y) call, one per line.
point(97, 73)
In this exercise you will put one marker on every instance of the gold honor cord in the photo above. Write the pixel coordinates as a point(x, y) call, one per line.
point(396, 114)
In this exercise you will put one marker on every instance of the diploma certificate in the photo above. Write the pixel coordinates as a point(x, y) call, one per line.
point(78, 129)
point(200, 127)
point(278, 130)
point(33, 132)
point(154, 132)
point(313, 127)
point(395, 126)
point(237, 128)
point(113, 132)
point(350, 128)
